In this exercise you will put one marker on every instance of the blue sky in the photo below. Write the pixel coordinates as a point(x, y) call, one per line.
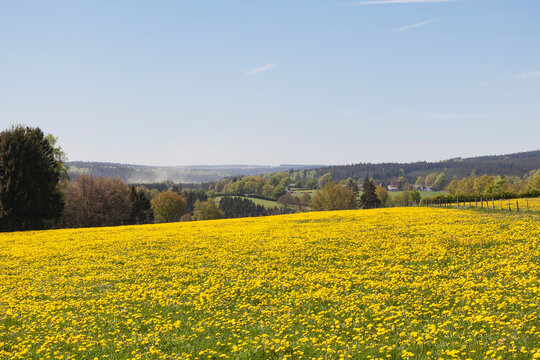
point(272, 82)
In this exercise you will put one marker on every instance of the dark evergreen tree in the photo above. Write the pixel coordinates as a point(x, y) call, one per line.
point(142, 210)
point(30, 196)
point(369, 199)
point(191, 197)
point(236, 207)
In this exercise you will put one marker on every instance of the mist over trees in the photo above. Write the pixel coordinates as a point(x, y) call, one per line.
point(35, 191)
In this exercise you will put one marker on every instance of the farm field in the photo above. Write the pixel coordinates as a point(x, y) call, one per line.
point(263, 202)
point(400, 283)
point(300, 192)
point(423, 194)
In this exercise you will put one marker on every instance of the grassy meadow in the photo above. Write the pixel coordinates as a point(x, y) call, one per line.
point(423, 194)
point(401, 283)
point(264, 202)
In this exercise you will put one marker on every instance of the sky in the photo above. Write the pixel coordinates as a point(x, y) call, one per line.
point(273, 82)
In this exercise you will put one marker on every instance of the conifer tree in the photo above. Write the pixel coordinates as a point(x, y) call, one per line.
point(30, 172)
point(141, 212)
point(369, 199)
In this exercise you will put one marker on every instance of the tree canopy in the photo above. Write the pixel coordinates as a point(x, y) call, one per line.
point(334, 197)
point(207, 210)
point(30, 171)
point(369, 199)
point(168, 206)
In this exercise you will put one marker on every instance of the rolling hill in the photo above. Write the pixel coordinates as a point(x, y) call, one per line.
point(517, 164)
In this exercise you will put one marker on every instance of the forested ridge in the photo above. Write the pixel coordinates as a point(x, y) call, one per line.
point(517, 164)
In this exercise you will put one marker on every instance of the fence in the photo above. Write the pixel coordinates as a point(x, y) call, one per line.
point(524, 204)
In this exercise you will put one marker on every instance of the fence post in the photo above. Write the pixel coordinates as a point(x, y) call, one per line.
point(517, 205)
point(509, 208)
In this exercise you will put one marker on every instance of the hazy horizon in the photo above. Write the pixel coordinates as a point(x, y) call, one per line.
point(179, 83)
point(285, 164)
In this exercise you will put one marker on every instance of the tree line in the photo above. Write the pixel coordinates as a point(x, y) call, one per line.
point(36, 191)
point(518, 164)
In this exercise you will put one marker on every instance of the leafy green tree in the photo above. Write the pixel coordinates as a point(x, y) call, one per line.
point(207, 210)
point(430, 179)
point(60, 157)
point(440, 181)
point(311, 183)
point(369, 199)
point(482, 183)
point(325, 179)
point(30, 195)
point(305, 199)
point(534, 182)
point(415, 196)
point(402, 181)
point(281, 188)
point(452, 187)
point(268, 190)
point(287, 199)
point(333, 197)
point(465, 187)
point(382, 195)
point(168, 206)
point(402, 199)
point(499, 187)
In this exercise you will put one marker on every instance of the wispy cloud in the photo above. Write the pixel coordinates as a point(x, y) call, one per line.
point(409, 27)
point(260, 69)
point(384, 2)
point(528, 75)
point(458, 116)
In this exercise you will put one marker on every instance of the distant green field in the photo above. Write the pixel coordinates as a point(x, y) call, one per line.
point(299, 192)
point(263, 202)
point(424, 194)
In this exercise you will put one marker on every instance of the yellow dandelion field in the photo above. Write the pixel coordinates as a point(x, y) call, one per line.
point(402, 283)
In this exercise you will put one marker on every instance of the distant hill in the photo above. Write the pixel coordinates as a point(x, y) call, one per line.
point(178, 174)
point(517, 164)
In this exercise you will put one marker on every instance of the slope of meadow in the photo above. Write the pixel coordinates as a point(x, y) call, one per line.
point(399, 283)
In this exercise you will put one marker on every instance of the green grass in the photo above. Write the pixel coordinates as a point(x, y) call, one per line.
point(266, 203)
point(424, 194)
point(300, 192)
